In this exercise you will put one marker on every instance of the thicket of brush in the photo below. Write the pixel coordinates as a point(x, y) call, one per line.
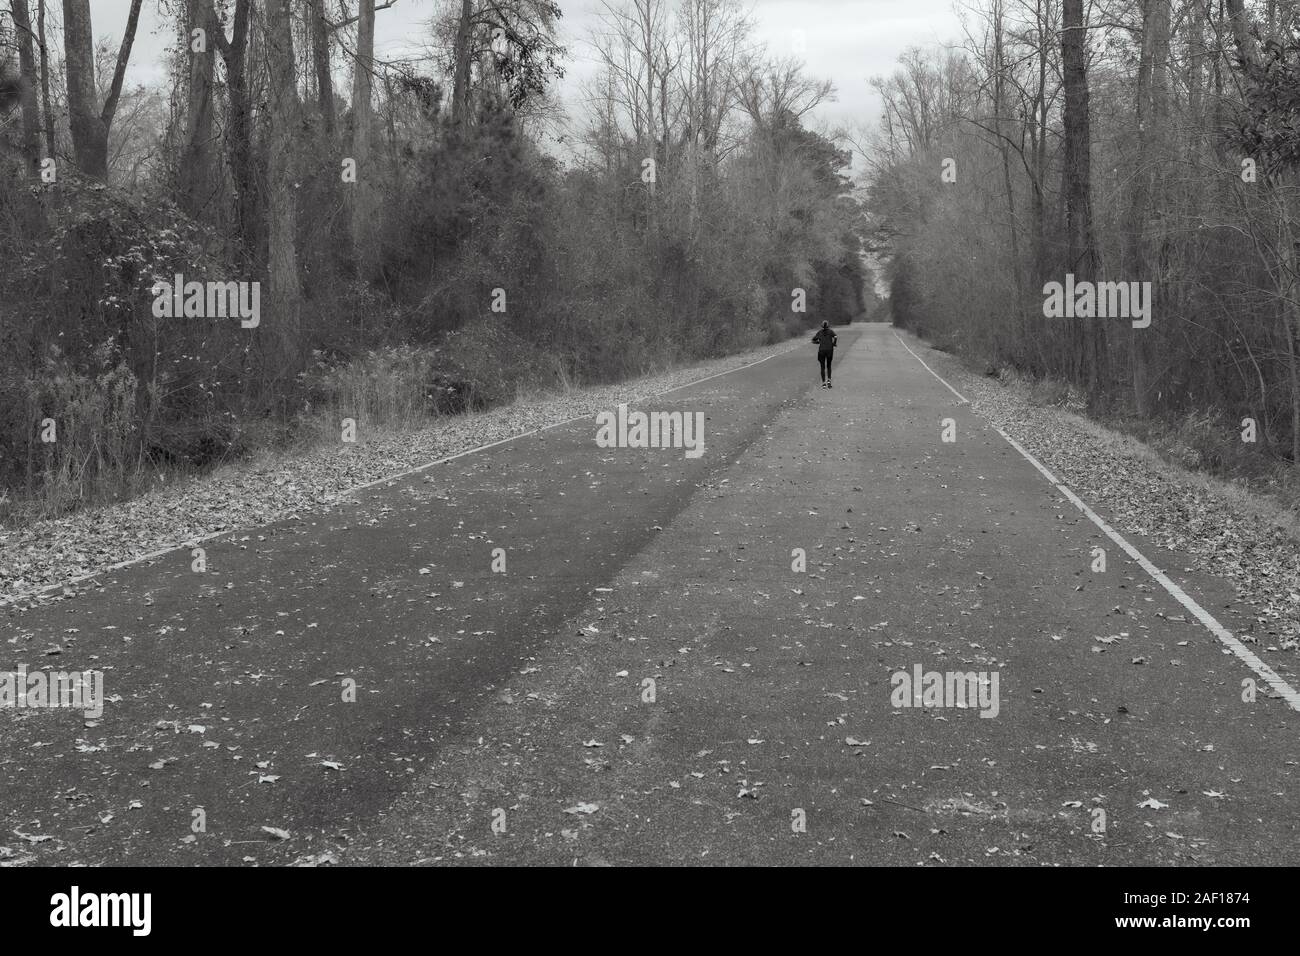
point(1164, 149)
point(464, 264)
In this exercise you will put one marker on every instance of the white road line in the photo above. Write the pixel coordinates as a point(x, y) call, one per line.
point(568, 421)
point(192, 542)
point(188, 543)
point(738, 368)
point(964, 399)
point(1283, 689)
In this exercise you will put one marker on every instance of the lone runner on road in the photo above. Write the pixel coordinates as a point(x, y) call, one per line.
point(825, 339)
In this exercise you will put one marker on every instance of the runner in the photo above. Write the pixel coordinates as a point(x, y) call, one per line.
point(825, 339)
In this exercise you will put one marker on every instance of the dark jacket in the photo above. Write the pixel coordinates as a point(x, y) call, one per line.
point(825, 339)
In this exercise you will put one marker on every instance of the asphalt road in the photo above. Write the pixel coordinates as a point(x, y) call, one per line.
point(651, 678)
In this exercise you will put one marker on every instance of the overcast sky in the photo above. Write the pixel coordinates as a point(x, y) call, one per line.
point(846, 41)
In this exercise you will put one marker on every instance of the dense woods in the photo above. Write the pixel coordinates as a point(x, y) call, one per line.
point(1152, 142)
point(427, 235)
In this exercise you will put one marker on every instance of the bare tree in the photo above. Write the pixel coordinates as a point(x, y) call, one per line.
point(282, 205)
point(631, 43)
point(363, 67)
point(320, 54)
point(1152, 114)
point(90, 125)
point(31, 139)
point(195, 173)
point(463, 56)
point(46, 109)
point(239, 122)
point(1080, 244)
point(714, 32)
point(772, 91)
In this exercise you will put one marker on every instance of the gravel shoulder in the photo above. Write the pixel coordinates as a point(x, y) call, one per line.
point(38, 562)
point(1211, 527)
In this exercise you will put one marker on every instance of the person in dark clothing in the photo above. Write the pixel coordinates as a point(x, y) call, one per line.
point(825, 339)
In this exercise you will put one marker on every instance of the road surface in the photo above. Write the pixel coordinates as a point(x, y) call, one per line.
point(652, 678)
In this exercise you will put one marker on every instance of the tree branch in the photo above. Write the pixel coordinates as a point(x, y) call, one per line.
point(351, 20)
point(123, 57)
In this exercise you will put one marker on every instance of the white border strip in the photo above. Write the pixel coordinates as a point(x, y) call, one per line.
point(568, 421)
point(1283, 689)
point(965, 400)
point(192, 542)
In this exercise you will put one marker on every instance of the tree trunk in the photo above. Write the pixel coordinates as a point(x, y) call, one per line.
point(1196, 67)
point(1149, 110)
point(31, 141)
point(239, 124)
point(1240, 24)
point(1080, 246)
point(647, 25)
point(1039, 202)
point(1287, 272)
point(1292, 322)
point(196, 159)
point(89, 137)
point(282, 206)
point(461, 79)
point(46, 110)
point(320, 50)
point(999, 106)
point(362, 75)
point(90, 127)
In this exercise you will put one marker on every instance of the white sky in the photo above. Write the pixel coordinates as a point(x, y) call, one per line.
point(845, 41)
